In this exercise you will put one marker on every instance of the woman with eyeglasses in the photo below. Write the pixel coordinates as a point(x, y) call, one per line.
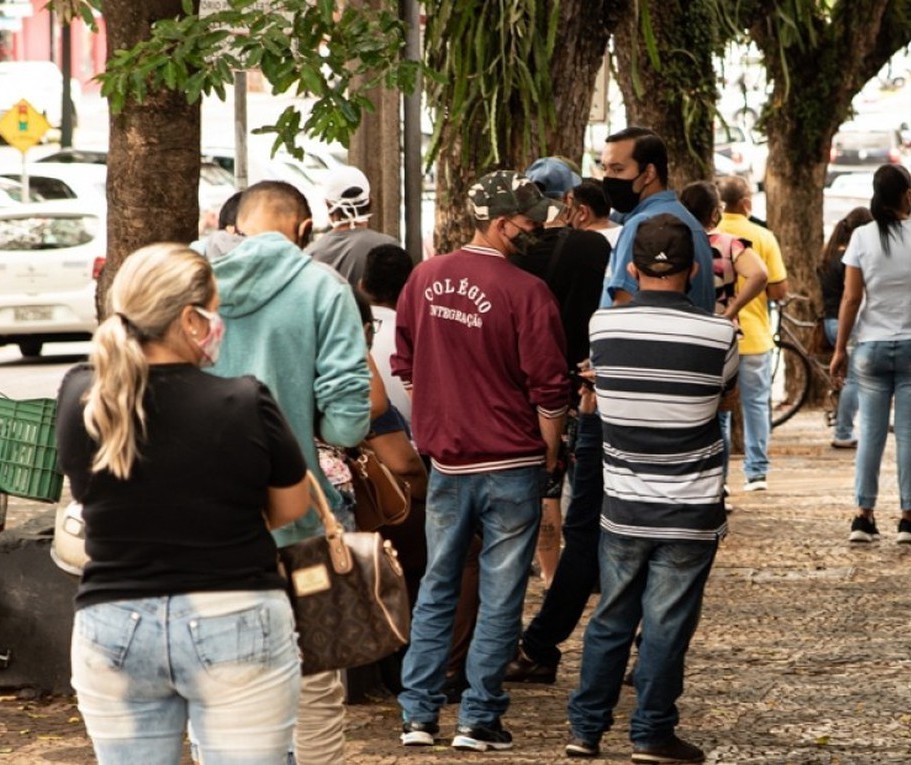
point(181, 614)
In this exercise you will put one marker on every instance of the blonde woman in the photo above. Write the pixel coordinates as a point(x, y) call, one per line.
point(180, 615)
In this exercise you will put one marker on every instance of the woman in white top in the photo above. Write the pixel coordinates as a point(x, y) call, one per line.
point(875, 306)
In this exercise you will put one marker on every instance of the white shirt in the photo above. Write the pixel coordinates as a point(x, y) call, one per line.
point(885, 313)
point(383, 348)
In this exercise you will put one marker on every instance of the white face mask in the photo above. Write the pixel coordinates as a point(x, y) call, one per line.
point(210, 345)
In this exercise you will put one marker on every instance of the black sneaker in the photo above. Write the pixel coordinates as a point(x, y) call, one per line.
point(524, 669)
point(904, 532)
point(673, 750)
point(864, 529)
point(578, 747)
point(480, 738)
point(416, 733)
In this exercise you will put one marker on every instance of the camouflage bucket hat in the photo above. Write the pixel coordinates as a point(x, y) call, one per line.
point(506, 192)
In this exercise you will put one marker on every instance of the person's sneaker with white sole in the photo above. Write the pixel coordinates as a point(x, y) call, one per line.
point(864, 530)
point(578, 747)
point(756, 483)
point(480, 738)
point(904, 532)
point(416, 733)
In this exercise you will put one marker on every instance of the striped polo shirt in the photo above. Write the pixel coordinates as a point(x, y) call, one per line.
point(662, 365)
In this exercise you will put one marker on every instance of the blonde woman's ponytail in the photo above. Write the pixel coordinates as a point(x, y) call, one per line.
point(148, 293)
point(114, 415)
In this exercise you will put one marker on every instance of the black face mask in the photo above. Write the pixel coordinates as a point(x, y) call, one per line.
point(621, 194)
point(523, 241)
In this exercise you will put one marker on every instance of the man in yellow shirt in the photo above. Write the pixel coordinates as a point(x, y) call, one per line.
point(755, 377)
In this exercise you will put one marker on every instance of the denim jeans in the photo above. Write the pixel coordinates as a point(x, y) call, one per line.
point(661, 584)
point(505, 508)
point(848, 396)
point(226, 662)
point(883, 373)
point(577, 571)
point(755, 382)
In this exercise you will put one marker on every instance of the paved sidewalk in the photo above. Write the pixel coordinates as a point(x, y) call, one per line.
point(801, 658)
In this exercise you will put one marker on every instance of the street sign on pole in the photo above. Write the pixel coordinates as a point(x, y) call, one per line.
point(23, 126)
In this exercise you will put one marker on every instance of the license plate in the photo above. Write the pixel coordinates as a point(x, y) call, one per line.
point(33, 313)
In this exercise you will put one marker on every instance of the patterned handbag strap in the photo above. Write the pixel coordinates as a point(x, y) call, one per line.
point(335, 532)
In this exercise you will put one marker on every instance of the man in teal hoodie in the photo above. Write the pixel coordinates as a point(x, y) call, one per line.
point(294, 324)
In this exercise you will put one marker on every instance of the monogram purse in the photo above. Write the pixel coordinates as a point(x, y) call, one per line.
point(348, 593)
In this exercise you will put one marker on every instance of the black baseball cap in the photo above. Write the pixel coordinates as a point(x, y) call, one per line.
point(663, 246)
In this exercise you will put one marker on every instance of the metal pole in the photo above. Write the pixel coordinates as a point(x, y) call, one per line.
point(66, 111)
point(240, 131)
point(24, 180)
point(414, 181)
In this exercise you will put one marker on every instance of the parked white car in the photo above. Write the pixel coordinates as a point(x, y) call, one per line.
point(51, 254)
point(41, 84)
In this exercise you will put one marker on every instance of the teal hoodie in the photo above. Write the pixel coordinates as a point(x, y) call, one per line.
point(293, 323)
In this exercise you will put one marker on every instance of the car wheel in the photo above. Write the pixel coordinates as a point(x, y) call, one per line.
point(30, 347)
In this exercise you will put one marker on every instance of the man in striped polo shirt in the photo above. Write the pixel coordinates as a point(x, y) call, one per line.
point(662, 367)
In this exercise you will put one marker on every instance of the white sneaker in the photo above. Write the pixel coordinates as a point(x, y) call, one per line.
point(756, 484)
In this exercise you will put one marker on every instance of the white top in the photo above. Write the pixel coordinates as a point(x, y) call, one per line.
point(383, 348)
point(885, 313)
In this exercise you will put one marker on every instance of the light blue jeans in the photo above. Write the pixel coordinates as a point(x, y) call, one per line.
point(883, 373)
point(226, 662)
point(505, 508)
point(755, 382)
point(660, 584)
point(848, 396)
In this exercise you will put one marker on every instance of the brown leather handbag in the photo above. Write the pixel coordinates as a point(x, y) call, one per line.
point(348, 593)
point(381, 498)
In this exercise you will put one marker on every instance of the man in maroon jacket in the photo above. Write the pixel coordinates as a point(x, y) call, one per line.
point(480, 345)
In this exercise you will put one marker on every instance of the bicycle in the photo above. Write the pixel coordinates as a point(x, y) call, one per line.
point(793, 365)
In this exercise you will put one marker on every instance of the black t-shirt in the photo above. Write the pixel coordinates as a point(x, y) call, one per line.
point(190, 516)
point(576, 278)
point(832, 283)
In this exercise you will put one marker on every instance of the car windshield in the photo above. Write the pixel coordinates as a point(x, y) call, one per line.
point(46, 232)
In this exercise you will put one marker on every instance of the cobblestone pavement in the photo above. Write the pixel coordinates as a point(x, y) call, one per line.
point(800, 658)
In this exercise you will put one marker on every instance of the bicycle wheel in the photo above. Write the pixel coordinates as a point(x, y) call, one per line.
point(790, 382)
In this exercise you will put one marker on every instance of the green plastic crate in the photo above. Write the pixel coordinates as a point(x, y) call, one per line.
point(28, 450)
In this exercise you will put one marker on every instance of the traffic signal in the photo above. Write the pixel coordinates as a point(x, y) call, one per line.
point(22, 108)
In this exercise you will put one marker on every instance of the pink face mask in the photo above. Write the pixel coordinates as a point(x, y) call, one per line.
point(211, 343)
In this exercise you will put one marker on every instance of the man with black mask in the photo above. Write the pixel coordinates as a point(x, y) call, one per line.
point(635, 179)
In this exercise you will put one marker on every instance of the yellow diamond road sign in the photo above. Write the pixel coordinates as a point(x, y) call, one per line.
point(23, 126)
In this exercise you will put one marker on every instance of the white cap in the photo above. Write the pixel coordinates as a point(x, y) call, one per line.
point(347, 188)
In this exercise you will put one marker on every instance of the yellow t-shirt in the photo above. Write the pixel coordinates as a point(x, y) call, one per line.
point(754, 316)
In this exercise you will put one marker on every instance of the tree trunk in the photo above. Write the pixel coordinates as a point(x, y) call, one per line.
point(153, 157)
point(676, 100)
point(810, 100)
point(578, 54)
point(375, 149)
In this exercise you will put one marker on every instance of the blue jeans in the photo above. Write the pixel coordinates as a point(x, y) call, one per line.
point(661, 584)
point(505, 508)
point(755, 382)
point(577, 571)
point(226, 662)
point(848, 396)
point(883, 373)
